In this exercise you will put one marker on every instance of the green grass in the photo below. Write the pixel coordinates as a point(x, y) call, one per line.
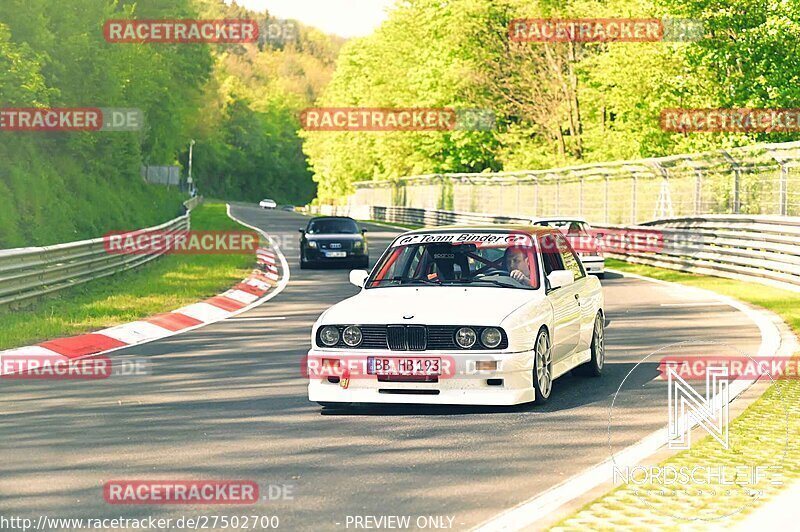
point(760, 431)
point(162, 286)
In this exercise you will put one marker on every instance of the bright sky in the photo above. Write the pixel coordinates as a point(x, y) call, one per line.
point(346, 18)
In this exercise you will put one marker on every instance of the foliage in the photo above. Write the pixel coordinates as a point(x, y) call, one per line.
point(240, 103)
point(556, 103)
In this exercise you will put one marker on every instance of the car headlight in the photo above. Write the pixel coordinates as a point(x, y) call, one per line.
point(358, 244)
point(466, 337)
point(352, 336)
point(312, 244)
point(491, 337)
point(329, 335)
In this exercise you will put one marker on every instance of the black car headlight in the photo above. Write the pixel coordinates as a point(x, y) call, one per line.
point(491, 337)
point(466, 337)
point(329, 335)
point(312, 244)
point(352, 336)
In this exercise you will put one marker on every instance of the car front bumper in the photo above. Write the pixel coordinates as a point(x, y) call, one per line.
point(316, 255)
point(463, 385)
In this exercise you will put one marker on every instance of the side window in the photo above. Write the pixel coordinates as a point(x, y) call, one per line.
point(571, 262)
point(550, 254)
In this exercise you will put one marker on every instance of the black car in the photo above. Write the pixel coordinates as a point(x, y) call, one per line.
point(333, 240)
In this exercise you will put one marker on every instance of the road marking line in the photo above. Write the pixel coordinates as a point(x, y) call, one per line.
point(258, 319)
point(701, 304)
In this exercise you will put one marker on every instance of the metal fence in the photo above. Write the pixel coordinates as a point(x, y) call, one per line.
point(761, 249)
point(29, 273)
point(758, 179)
point(162, 175)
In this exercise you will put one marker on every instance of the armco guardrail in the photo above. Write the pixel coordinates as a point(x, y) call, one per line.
point(761, 249)
point(28, 273)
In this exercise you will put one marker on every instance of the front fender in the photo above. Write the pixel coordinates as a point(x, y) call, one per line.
point(522, 325)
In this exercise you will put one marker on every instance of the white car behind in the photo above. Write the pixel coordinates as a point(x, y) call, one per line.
point(267, 204)
point(449, 316)
point(584, 239)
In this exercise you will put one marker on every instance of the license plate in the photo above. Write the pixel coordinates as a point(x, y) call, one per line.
point(404, 366)
point(335, 254)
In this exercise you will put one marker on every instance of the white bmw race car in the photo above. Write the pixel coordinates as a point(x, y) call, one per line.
point(461, 315)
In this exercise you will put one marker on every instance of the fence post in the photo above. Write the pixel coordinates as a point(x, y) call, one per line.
point(698, 190)
point(664, 202)
point(736, 178)
point(783, 184)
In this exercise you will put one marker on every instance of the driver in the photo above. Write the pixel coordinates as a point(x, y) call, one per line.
point(516, 261)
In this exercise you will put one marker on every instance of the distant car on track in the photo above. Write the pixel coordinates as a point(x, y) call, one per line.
point(461, 315)
point(288, 208)
point(333, 240)
point(583, 239)
point(267, 204)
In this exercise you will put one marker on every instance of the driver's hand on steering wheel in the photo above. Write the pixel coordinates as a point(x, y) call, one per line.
point(519, 276)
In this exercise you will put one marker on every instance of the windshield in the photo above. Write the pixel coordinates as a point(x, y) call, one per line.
point(448, 259)
point(567, 226)
point(332, 226)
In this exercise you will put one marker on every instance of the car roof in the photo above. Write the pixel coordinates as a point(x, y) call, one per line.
point(529, 229)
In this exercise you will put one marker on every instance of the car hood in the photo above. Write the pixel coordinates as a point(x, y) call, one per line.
point(334, 236)
point(435, 305)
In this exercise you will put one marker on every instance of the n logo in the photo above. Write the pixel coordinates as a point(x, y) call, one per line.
point(685, 405)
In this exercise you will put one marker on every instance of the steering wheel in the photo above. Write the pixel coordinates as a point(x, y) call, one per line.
point(494, 271)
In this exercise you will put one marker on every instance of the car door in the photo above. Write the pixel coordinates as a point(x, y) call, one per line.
point(579, 292)
point(566, 312)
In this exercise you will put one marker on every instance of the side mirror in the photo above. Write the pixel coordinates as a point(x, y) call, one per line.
point(559, 278)
point(363, 231)
point(358, 277)
point(302, 231)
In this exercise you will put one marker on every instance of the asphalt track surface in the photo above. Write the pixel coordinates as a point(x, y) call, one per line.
point(228, 401)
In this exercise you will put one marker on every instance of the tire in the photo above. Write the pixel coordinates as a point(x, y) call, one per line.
point(542, 367)
point(304, 264)
point(594, 367)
